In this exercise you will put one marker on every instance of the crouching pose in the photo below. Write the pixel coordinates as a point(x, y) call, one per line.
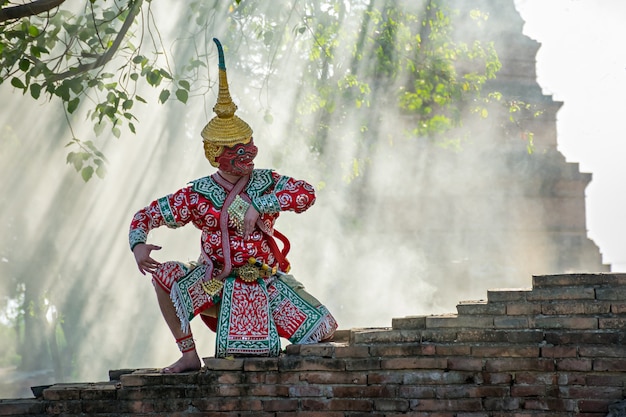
point(240, 285)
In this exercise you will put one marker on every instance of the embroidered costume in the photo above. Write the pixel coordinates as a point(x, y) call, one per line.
point(239, 285)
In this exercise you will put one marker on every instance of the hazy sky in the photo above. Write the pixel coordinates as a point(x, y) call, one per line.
point(582, 62)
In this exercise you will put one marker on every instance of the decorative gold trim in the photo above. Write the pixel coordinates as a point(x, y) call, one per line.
point(212, 287)
point(237, 212)
point(212, 151)
point(248, 273)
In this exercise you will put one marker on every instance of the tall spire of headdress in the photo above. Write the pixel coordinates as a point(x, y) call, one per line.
point(224, 107)
point(225, 129)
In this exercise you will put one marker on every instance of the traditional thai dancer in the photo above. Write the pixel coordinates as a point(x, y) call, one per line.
point(240, 285)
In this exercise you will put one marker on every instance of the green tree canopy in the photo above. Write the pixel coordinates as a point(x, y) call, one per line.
point(102, 56)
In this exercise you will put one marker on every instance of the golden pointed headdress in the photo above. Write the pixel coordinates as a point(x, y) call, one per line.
point(225, 129)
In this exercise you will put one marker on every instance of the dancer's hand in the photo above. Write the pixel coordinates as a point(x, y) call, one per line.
point(145, 263)
point(249, 221)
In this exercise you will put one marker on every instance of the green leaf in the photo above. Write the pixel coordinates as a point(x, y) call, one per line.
point(165, 74)
point(101, 170)
point(109, 15)
point(17, 83)
point(35, 90)
point(109, 111)
point(37, 51)
point(182, 95)
point(154, 78)
point(63, 92)
point(24, 64)
point(112, 98)
point(165, 94)
point(90, 145)
point(86, 173)
point(76, 159)
point(184, 84)
point(75, 84)
point(33, 31)
point(72, 105)
point(98, 128)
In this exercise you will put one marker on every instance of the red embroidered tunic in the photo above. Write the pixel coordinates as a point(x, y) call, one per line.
point(201, 202)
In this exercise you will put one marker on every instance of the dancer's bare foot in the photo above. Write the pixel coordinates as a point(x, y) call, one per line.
point(190, 361)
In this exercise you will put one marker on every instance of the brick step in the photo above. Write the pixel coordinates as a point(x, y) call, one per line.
point(344, 359)
point(363, 339)
point(587, 280)
point(570, 307)
point(367, 342)
point(540, 321)
point(557, 293)
point(381, 357)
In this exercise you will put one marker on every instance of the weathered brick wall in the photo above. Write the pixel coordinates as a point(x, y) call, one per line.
point(554, 350)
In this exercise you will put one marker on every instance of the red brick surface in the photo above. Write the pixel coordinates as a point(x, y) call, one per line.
point(562, 354)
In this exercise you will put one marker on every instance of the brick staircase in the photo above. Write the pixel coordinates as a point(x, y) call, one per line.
point(556, 349)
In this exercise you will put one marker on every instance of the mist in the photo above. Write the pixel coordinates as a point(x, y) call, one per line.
point(412, 229)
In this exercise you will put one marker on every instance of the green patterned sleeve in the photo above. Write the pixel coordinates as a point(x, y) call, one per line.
point(287, 194)
point(171, 211)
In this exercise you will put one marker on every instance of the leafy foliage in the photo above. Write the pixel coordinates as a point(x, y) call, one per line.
point(63, 56)
point(368, 59)
point(100, 59)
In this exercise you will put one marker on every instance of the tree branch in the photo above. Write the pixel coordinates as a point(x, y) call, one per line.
point(108, 55)
point(30, 9)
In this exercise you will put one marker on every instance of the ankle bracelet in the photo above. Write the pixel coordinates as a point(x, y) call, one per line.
point(186, 344)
